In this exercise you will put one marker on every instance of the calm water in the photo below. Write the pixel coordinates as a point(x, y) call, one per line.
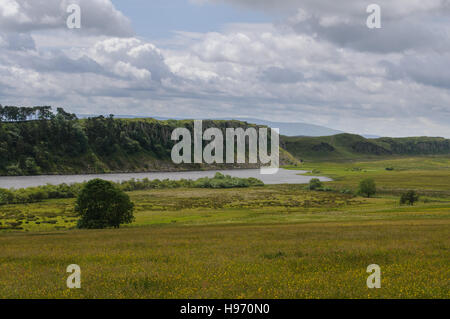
point(282, 177)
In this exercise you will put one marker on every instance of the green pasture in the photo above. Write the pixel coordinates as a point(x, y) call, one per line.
point(276, 241)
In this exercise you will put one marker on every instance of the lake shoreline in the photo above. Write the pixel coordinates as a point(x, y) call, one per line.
point(284, 176)
point(135, 172)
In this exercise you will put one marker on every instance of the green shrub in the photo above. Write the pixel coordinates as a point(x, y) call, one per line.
point(219, 176)
point(36, 194)
point(14, 170)
point(315, 184)
point(6, 196)
point(367, 187)
point(31, 167)
point(254, 182)
point(409, 198)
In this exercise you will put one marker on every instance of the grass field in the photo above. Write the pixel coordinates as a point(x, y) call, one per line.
point(277, 241)
point(428, 175)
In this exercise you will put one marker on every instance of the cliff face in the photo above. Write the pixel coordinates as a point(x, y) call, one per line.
point(416, 146)
point(65, 145)
point(366, 147)
point(96, 145)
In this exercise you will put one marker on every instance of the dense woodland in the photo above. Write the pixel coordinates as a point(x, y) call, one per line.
point(37, 140)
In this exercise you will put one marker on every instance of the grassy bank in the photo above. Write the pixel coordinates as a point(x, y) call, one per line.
point(429, 175)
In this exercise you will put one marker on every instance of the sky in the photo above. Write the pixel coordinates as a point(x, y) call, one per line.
point(311, 61)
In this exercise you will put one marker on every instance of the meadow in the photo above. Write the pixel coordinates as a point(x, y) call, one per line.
point(277, 241)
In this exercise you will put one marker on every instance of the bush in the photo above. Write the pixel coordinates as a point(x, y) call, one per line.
point(13, 170)
point(219, 176)
point(6, 196)
point(367, 187)
point(315, 184)
point(254, 182)
point(30, 166)
point(102, 204)
point(409, 198)
point(36, 194)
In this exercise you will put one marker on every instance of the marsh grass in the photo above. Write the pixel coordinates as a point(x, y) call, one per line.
point(315, 260)
point(277, 241)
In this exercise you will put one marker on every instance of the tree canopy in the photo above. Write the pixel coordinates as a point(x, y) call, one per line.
point(367, 187)
point(102, 204)
point(409, 198)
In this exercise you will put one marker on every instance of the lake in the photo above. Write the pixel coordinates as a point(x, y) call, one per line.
point(283, 176)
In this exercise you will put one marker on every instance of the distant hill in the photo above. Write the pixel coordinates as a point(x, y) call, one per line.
point(349, 146)
point(295, 129)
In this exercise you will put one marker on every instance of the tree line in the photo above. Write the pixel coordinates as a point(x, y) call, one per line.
point(33, 139)
point(41, 113)
point(37, 140)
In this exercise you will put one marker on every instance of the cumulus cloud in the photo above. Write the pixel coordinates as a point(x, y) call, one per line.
point(428, 69)
point(320, 65)
point(98, 16)
point(91, 79)
point(406, 24)
point(133, 57)
point(342, 10)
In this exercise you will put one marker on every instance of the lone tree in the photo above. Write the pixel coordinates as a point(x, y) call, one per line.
point(101, 204)
point(409, 198)
point(315, 184)
point(367, 187)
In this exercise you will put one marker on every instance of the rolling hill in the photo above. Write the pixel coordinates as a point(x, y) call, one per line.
point(349, 147)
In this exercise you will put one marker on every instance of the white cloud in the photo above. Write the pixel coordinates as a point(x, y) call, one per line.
point(406, 24)
point(138, 57)
point(98, 16)
point(16, 41)
point(348, 8)
point(282, 72)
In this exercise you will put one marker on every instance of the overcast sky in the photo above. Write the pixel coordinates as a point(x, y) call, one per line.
point(312, 61)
